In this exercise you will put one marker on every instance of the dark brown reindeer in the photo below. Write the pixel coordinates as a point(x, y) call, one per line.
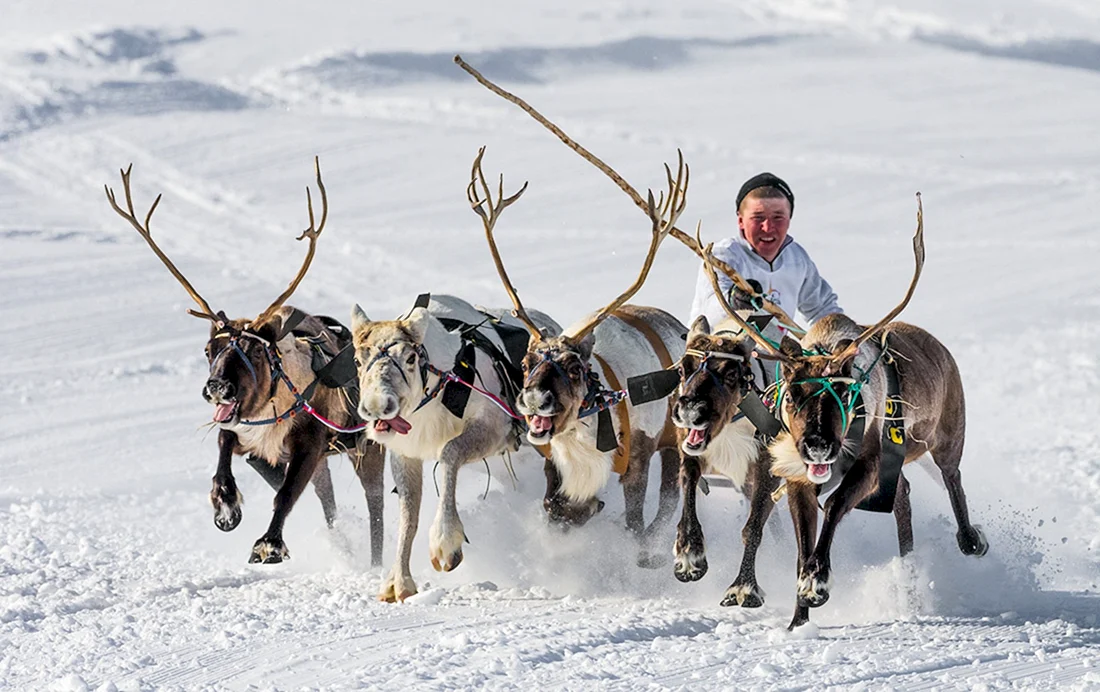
point(835, 382)
point(272, 403)
point(573, 382)
point(716, 374)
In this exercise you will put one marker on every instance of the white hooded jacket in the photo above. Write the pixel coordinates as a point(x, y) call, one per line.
point(791, 281)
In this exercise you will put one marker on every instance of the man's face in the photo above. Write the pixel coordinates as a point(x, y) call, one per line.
point(764, 224)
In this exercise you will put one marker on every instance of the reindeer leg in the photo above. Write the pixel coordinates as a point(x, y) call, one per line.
point(971, 539)
point(481, 438)
point(307, 446)
point(274, 474)
point(224, 495)
point(322, 485)
point(552, 502)
point(408, 476)
point(903, 515)
point(813, 581)
point(635, 482)
point(560, 510)
point(690, 551)
point(667, 500)
point(744, 591)
point(802, 501)
point(369, 460)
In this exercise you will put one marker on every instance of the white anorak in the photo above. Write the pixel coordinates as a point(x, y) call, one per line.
point(791, 281)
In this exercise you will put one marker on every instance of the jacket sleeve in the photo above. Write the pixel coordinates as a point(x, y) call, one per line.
point(705, 302)
point(817, 298)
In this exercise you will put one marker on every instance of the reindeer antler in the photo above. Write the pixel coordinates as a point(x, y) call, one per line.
point(708, 263)
point(489, 221)
point(676, 233)
point(918, 256)
point(663, 213)
point(313, 232)
point(206, 313)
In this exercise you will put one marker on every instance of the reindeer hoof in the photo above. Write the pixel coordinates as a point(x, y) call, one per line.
point(801, 617)
point(690, 566)
point(973, 542)
point(744, 595)
point(448, 565)
point(813, 591)
point(269, 551)
point(227, 505)
point(396, 590)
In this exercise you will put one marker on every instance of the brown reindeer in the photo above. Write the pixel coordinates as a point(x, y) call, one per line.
point(836, 381)
point(573, 381)
point(716, 374)
point(272, 403)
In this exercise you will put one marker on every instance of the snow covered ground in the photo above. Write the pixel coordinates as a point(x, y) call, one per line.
point(112, 575)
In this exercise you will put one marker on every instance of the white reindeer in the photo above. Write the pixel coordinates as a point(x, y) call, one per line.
point(405, 366)
point(573, 380)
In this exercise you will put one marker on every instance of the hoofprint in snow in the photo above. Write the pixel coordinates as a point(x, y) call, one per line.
point(112, 575)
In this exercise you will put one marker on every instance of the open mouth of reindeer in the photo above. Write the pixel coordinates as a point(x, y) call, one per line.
point(226, 411)
point(819, 471)
point(397, 424)
point(540, 428)
point(697, 440)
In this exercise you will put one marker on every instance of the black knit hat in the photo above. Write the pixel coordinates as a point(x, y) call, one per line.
point(765, 180)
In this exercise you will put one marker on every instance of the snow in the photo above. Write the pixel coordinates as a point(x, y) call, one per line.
point(112, 575)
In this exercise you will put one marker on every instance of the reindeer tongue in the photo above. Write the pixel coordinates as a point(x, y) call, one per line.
point(819, 470)
point(696, 437)
point(223, 412)
point(397, 424)
point(540, 424)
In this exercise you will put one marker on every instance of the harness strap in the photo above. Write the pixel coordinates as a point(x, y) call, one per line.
point(663, 357)
point(622, 453)
point(654, 339)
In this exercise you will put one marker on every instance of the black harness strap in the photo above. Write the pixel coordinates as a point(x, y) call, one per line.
point(893, 445)
point(652, 386)
point(290, 323)
point(759, 415)
point(455, 395)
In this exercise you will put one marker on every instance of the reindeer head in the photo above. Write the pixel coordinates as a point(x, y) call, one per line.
point(818, 401)
point(241, 352)
point(556, 370)
point(240, 380)
point(392, 362)
point(556, 381)
point(818, 393)
point(714, 373)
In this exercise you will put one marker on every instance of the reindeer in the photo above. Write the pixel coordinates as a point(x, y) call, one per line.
point(717, 373)
point(270, 404)
point(834, 383)
point(565, 380)
point(413, 374)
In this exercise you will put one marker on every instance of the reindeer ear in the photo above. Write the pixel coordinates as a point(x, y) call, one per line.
point(584, 346)
point(417, 323)
point(359, 319)
point(845, 366)
point(271, 329)
point(701, 326)
point(790, 347)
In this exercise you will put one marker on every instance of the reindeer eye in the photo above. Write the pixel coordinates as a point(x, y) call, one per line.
point(576, 371)
point(411, 359)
